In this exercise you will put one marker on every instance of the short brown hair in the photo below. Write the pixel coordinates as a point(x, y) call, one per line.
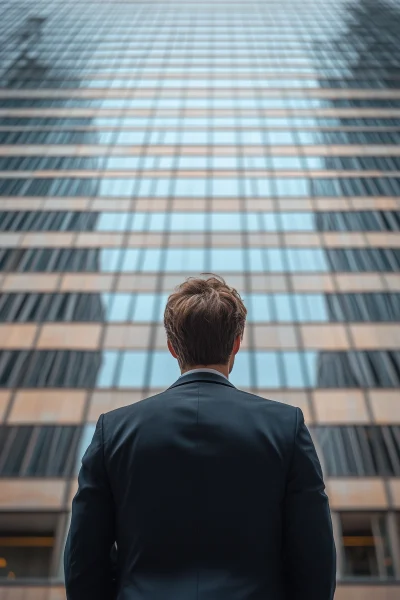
point(202, 319)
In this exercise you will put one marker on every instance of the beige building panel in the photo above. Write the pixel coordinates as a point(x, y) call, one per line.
point(356, 494)
point(374, 203)
point(70, 335)
point(30, 282)
point(16, 592)
point(10, 239)
point(371, 336)
point(359, 282)
point(267, 283)
point(324, 337)
point(87, 282)
point(21, 203)
point(127, 336)
point(394, 487)
point(137, 282)
point(274, 336)
point(311, 282)
point(99, 240)
point(301, 239)
point(61, 203)
point(17, 335)
point(352, 239)
point(257, 204)
point(385, 406)
point(104, 401)
point(178, 240)
point(47, 406)
point(392, 281)
point(5, 397)
point(367, 592)
point(59, 239)
point(340, 407)
point(116, 206)
point(163, 204)
point(33, 494)
point(387, 239)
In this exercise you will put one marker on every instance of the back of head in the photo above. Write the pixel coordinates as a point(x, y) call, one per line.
point(202, 319)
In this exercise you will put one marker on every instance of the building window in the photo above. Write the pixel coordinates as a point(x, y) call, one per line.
point(366, 546)
point(27, 545)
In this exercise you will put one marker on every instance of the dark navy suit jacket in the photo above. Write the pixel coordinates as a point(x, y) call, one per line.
point(210, 493)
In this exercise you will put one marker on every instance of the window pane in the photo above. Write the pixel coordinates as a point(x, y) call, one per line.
point(132, 369)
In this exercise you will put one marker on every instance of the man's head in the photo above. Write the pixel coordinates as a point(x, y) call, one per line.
point(204, 320)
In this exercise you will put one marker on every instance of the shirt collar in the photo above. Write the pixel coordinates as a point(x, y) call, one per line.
point(203, 371)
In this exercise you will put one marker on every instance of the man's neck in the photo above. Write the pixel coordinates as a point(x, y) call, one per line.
point(223, 369)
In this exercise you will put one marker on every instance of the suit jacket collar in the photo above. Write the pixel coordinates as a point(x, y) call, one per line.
point(201, 376)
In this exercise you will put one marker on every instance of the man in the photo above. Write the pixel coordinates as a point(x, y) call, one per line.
point(209, 492)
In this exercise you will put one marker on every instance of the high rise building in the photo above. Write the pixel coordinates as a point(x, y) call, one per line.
point(143, 142)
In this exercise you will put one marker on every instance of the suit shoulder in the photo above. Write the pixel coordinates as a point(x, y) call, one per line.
point(127, 411)
point(282, 407)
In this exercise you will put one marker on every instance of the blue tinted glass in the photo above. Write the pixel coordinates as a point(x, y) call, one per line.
point(312, 360)
point(223, 137)
point(286, 162)
point(139, 221)
point(225, 187)
point(130, 261)
point(269, 221)
point(109, 260)
point(294, 373)
point(164, 369)
point(228, 260)
point(256, 162)
point(132, 369)
point(259, 308)
point(311, 307)
point(157, 221)
point(109, 221)
point(256, 258)
point(187, 221)
point(283, 307)
point(226, 222)
point(119, 309)
point(316, 162)
point(131, 137)
point(278, 138)
point(161, 304)
point(192, 188)
point(252, 221)
point(300, 221)
point(263, 187)
point(143, 308)
point(123, 163)
point(191, 259)
point(240, 375)
point(105, 376)
point(193, 162)
point(306, 259)
point(267, 369)
point(115, 187)
point(151, 260)
point(251, 137)
point(275, 260)
point(292, 187)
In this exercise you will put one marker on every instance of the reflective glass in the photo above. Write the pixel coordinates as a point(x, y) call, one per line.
point(132, 369)
point(164, 369)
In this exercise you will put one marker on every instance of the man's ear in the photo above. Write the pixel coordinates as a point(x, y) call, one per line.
point(171, 349)
point(236, 344)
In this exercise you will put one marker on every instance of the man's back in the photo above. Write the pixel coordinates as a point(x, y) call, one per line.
point(210, 493)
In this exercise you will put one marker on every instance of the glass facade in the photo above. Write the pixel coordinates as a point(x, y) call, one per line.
point(141, 143)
